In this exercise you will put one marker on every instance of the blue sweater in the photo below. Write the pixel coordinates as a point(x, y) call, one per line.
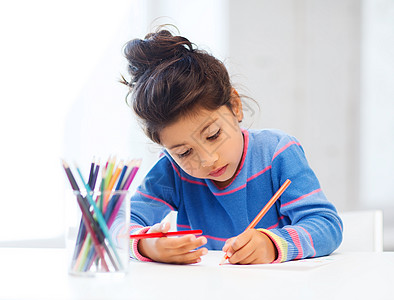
point(302, 223)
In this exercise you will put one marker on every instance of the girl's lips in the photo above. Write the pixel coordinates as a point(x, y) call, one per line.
point(218, 172)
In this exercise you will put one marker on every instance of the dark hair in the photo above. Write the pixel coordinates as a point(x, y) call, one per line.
point(169, 78)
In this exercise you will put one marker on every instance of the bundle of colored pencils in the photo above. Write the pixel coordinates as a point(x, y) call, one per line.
point(94, 246)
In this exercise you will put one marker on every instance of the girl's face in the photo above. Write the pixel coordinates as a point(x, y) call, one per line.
point(207, 144)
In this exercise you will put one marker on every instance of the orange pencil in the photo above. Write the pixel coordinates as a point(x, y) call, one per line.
point(264, 210)
point(115, 176)
point(112, 183)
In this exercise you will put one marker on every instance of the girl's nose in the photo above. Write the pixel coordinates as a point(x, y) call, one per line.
point(208, 160)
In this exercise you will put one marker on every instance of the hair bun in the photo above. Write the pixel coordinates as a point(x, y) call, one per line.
point(154, 49)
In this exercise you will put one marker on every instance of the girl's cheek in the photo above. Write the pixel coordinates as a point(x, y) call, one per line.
point(191, 168)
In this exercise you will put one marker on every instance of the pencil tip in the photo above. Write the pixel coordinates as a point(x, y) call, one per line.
point(65, 165)
point(222, 261)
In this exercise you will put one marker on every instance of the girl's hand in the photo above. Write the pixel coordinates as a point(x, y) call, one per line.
point(250, 247)
point(178, 250)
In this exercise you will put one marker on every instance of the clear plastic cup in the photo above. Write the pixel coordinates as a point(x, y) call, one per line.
point(100, 245)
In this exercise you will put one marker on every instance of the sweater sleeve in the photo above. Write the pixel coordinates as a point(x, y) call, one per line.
point(152, 201)
point(315, 229)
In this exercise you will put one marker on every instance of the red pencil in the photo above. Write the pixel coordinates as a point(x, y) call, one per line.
point(162, 234)
point(264, 210)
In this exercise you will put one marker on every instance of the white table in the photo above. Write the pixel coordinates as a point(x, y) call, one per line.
point(31, 273)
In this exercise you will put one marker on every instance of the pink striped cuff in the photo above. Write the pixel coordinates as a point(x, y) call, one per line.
point(296, 240)
point(134, 253)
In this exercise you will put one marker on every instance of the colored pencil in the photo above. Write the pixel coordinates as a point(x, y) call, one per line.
point(85, 216)
point(83, 206)
point(97, 232)
point(99, 217)
point(94, 168)
point(91, 172)
point(162, 234)
point(108, 175)
point(112, 201)
point(102, 188)
point(118, 185)
point(130, 166)
point(95, 174)
point(115, 176)
point(124, 188)
point(111, 184)
point(107, 210)
point(261, 214)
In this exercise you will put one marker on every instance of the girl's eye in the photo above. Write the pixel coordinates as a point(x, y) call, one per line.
point(215, 136)
point(184, 154)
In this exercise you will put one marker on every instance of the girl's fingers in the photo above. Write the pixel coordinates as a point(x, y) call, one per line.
point(176, 247)
point(160, 227)
point(165, 227)
point(180, 250)
point(154, 228)
point(235, 256)
point(237, 243)
point(245, 255)
point(185, 243)
point(194, 243)
point(190, 257)
point(227, 244)
point(241, 240)
point(252, 247)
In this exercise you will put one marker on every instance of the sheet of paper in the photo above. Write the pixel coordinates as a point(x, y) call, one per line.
point(213, 258)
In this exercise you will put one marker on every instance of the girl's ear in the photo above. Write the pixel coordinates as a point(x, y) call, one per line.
point(236, 105)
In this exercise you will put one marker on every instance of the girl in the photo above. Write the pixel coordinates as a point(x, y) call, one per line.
point(215, 174)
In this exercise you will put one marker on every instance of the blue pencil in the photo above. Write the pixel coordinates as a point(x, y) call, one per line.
point(91, 173)
point(95, 174)
point(112, 202)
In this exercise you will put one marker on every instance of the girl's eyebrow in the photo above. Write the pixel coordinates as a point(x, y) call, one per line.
point(175, 146)
point(201, 131)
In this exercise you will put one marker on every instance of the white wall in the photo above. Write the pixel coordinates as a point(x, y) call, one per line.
point(377, 111)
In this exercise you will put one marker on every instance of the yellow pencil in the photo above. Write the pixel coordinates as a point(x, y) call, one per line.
point(112, 183)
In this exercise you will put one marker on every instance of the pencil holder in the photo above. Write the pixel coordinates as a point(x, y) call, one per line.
point(101, 244)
